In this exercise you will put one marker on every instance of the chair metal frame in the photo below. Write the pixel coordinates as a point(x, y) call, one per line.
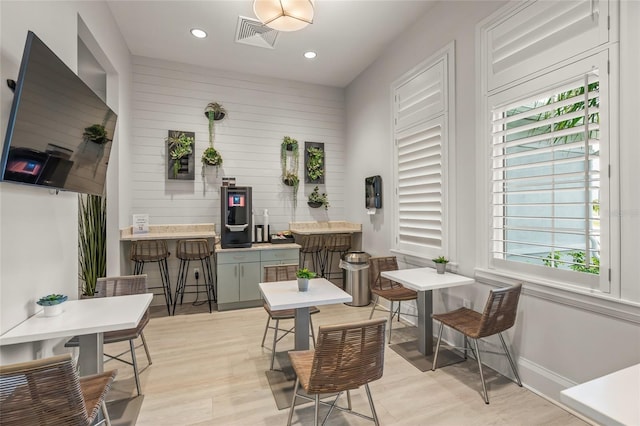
point(274, 273)
point(388, 289)
point(346, 357)
point(50, 392)
point(197, 250)
point(313, 245)
point(122, 286)
point(148, 251)
point(498, 316)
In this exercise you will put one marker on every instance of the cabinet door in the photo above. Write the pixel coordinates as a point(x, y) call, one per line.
point(228, 283)
point(249, 279)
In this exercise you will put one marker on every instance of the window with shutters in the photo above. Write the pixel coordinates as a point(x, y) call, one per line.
point(421, 104)
point(549, 140)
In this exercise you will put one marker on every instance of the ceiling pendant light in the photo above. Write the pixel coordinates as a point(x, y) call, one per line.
point(284, 15)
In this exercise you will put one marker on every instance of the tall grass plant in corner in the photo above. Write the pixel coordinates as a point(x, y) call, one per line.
point(92, 241)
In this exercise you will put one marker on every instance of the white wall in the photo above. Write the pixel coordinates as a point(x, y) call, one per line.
point(559, 340)
point(261, 111)
point(38, 229)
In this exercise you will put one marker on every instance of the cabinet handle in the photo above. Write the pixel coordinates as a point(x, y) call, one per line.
point(235, 270)
point(242, 270)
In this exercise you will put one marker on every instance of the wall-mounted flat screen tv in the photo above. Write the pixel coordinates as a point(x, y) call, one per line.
point(59, 133)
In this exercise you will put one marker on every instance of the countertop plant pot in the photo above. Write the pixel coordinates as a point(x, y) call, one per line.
point(303, 284)
point(441, 267)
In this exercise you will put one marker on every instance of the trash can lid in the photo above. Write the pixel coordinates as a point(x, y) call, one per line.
point(356, 257)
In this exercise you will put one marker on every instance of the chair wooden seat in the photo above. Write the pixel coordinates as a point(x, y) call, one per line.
point(121, 286)
point(386, 288)
point(346, 357)
point(283, 314)
point(499, 315)
point(396, 294)
point(49, 392)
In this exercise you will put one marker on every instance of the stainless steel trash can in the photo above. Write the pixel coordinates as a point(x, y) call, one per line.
point(355, 276)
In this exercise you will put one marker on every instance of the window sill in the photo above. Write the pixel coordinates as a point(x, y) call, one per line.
point(582, 299)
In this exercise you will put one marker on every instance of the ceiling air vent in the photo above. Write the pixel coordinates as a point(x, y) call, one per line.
point(254, 33)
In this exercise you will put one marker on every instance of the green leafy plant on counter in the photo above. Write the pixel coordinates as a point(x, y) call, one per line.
point(51, 299)
point(440, 259)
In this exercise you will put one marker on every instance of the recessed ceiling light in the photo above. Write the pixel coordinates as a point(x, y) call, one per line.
point(310, 55)
point(197, 32)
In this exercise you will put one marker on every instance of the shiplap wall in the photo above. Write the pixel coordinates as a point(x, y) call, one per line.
point(261, 111)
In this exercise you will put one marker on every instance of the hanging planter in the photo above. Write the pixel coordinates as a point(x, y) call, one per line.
point(289, 148)
point(214, 112)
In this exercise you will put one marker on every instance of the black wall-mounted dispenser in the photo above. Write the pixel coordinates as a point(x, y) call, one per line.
point(373, 192)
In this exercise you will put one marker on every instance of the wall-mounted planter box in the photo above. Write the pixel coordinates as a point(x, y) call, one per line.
point(184, 167)
point(314, 162)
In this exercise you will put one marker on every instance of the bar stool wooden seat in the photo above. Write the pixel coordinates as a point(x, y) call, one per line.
point(334, 243)
point(148, 251)
point(194, 250)
point(311, 245)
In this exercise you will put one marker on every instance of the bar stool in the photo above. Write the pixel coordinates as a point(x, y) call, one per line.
point(146, 251)
point(197, 250)
point(311, 245)
point(335, 243)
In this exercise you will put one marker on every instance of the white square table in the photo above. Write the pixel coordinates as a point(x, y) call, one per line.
point(424, 280)
point(86, 318)
point(613, 399)
point(285, 295)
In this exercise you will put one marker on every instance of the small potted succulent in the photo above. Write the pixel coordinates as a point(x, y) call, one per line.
point(52, 304)
point(304, 275)
point(441, 264)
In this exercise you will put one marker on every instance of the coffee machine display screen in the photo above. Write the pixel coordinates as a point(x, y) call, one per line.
point(236, 200)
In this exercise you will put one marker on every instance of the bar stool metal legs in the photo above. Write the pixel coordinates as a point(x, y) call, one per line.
point(146, 251)
point(335, 243)
point(311, 245)
point(197, 250)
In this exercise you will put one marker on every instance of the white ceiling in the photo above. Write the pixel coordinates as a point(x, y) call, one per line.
point(347, 35)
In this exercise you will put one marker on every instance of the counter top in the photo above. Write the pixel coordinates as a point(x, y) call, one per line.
point(258, 246)
point(331, 227)
point(171, 232)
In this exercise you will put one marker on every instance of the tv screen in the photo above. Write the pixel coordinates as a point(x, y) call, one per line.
point(60, 132)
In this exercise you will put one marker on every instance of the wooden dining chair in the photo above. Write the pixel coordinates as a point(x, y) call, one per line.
point(346, 357)
point(499, 315)
point(123, 286)
point(274, 273)
point(50, 392)
point(386, 288)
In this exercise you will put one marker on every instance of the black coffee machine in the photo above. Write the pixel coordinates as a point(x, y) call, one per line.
point(235, 203)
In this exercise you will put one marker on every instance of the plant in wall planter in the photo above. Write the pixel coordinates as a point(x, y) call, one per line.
point(214, 112)
point(96, 133)
point(289, 149)
point(314, 162)
point(180, 148)
point(318, 200)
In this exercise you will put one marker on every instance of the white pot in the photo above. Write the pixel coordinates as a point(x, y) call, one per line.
point(53, 310)
point(303, 284)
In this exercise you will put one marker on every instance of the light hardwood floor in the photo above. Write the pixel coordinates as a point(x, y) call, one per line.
point(209, 369)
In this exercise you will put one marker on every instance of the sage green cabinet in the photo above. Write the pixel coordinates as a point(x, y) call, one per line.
point(240, 270)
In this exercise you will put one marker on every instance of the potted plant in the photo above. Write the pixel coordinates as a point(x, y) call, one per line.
point(96, 133)
point(304, 275)
point(315, 163)
point(289, 148)
point(441, 264)
point(52, 304)
point(214, 112)
point(318, 200)
point(92, 241)
point(180, 146)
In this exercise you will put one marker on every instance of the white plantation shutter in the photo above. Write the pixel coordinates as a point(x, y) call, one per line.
point(547, 177)
point(420, 134)
point(543, 33)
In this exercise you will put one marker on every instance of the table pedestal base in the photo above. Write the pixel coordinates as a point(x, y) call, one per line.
point(409, 351)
